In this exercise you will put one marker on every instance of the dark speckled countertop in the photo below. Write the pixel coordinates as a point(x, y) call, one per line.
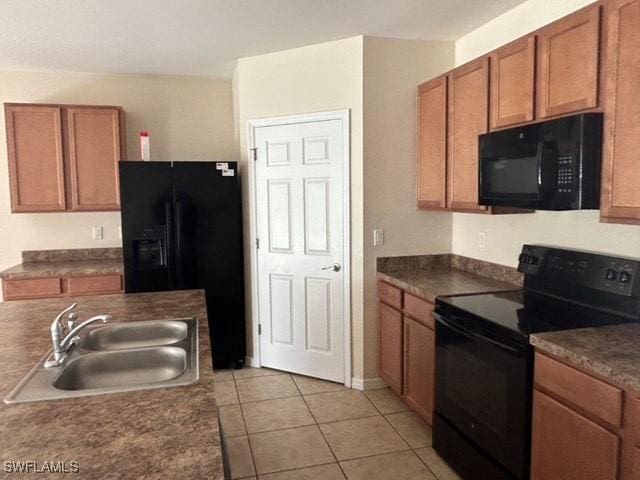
point(66, 263)
point(612, 352)
point(151, 434)
point(63, 269)
point(430, 276)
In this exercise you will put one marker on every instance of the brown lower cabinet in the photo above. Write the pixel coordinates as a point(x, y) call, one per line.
point(419, 371)
point(407, 347)
point(54, 287)
point(584, 428)
point(390, 359)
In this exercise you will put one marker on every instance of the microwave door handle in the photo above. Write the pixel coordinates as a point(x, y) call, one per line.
point(476, 336)
point(539, 154)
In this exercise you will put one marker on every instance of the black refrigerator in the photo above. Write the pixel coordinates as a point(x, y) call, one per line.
point(182, 229)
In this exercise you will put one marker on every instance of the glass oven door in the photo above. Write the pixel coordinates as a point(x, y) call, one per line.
point(483, 389)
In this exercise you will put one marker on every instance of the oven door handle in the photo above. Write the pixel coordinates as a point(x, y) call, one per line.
point(477, 336)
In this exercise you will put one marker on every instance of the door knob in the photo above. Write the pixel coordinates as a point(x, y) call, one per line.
point(334, 267)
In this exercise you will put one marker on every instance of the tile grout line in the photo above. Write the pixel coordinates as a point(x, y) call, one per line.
point(318, 424)
point(319, 429)
point(412, 449)
point(244, 422)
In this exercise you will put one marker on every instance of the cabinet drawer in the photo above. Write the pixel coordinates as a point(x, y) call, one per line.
point(595, 397)
point(419, 309)
point(95, 284)
point(389, 294)
point(32, 288)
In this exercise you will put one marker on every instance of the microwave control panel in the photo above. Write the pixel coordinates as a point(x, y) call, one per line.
point(565, 173)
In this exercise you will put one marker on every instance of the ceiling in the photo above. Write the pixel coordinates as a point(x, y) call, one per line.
point(205, 37)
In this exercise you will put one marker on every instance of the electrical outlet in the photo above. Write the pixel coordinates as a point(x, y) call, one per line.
point(378, 237)
point(482, 239)
point(120, 232)
point(98, 233)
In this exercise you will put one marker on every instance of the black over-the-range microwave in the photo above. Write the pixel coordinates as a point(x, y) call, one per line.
point(552, 165)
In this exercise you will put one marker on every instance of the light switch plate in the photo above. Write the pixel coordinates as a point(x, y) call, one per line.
point(378, 237)
point(98, 233)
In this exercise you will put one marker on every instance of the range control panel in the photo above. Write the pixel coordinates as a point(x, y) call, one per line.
point(561, 268)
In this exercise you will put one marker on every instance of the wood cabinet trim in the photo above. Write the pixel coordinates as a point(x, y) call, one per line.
point(603, 445)
point(441, 202)
point(76, 203)
point(527, 44)
point(609, 210)
point(31, 288)
point(585, 393)
point(390, 358)
point(419, 310)
point(418, 386)
point(471, 67)
point(94, 284)
point(14, 181)
point(587, 15)
point(390, 295)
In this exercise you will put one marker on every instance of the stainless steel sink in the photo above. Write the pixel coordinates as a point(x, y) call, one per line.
point(129, 367)
point(135, 335)
point(122, 357)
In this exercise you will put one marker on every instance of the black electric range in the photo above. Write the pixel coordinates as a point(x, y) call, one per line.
point(484, 362)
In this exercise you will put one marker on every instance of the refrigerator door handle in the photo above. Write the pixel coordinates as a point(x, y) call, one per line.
point(168, 217)
point(179, 243)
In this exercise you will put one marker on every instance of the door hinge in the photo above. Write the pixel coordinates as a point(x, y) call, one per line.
point(257, 243)
point(259, 329)
point(254, 153)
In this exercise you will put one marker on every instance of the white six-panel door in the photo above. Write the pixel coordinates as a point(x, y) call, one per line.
point(299, 195)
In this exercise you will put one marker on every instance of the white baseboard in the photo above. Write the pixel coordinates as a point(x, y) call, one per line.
point(367, 383)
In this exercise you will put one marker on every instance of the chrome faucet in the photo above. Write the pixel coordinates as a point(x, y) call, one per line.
point(61, 346)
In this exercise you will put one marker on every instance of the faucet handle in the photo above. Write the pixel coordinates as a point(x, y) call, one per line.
point(56, 326)
point(72, 320)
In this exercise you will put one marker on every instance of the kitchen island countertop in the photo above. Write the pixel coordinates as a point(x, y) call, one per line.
point(159, 433)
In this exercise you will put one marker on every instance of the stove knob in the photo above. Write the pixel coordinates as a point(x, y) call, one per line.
point(611, 274)
point(625, 277)
point(523, 258)
point(533, 260)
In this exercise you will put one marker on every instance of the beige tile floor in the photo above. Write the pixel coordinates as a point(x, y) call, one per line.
point(279, 426)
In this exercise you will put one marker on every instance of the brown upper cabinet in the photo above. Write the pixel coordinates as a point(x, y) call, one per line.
point(568, 64)
point(513, 83)
point(468, 118)
point(432, 144)
point(64, 158)
point(36, 161)
point(620, 200)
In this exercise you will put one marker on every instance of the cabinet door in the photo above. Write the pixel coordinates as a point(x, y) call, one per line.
point(468, 118)
point(569, 53)
point(419, 367)
point(390, 362)
point(569, 446)
point(95, 284)
point(36, 162)
point(621, 163)
point(94, 153)
point(512, 83)
point(432, 143)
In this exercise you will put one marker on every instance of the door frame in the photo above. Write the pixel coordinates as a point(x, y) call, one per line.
point(344, 117)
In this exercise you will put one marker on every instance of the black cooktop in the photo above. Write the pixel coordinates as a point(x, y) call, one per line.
point(517, 314)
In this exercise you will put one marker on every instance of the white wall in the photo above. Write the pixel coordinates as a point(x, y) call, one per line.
point(506, 234)
point(317, 78)
point(188, 117)
point(392, 70)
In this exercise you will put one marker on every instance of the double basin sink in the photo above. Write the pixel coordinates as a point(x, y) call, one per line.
point(115, 358)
